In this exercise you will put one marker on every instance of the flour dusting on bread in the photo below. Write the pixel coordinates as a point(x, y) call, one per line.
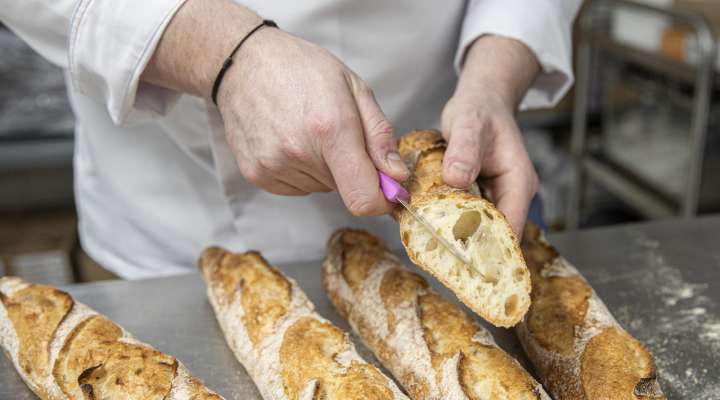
point(299, 354)
point(431, 346)
point(577, 347)
point(107, 367)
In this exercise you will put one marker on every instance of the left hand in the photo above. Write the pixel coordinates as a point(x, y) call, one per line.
point(479, 124)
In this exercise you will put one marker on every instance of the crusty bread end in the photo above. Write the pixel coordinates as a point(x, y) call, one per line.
point(433, 348)
point(64, 350)
point(497, 284)
point(579, 350)
point(290, 351)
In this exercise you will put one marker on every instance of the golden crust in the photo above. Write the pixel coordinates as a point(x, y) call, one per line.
point(361, 252)
point(130, 371)
point(537, 253)
point(265, 292)
point(93, 363)
point(427, 175)
point(87, 346)
point(36, 312)
point(313, 357)
point(96, 360)
point(423, 150)
point(361, 381)
point(382, 351)
point(616, 366)
point(308, 353)
point(399, 285)
point(559, 304)
point(482, 362)
point(449, 331)
point(198, 391)
point(611, 364)
point(446, 329)
point(477, 308)
point(419, 140)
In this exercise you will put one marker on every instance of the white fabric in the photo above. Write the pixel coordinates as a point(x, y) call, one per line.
point(542, 25)
point(155, 181)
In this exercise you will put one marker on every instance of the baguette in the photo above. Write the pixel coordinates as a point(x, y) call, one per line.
point(63, 350)
point(579, 351)
point(430, 345)
point(287, 348)
point(497, 284)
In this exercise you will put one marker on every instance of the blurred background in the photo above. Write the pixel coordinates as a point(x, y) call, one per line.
point(637, 139)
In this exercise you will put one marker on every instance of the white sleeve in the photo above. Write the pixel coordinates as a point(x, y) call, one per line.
point(110, 43)
point(43, 24)
point(543, 25)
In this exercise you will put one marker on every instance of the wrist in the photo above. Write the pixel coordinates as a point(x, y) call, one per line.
point(255, 55)
point(500, 67)
point(230, 60)
point(195, 44)
point(488, 93)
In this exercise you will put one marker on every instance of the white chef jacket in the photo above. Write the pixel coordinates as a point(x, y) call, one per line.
point(155, 181)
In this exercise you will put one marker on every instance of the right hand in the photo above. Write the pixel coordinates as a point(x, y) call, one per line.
point(300, 121)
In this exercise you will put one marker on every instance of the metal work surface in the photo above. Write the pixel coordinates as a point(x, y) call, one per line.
point(660, 280)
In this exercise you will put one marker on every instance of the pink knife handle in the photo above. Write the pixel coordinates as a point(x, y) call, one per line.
point(392, 189)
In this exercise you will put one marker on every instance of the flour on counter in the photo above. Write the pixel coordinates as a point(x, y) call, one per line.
point(711, 331)
point(673, 294)
point(685, 316)
point(695, 311)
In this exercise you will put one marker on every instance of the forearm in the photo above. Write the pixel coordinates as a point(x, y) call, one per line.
point(196, 42)
point(479, 124)
point(503, 66)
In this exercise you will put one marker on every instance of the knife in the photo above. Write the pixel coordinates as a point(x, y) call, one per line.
point(394, 192)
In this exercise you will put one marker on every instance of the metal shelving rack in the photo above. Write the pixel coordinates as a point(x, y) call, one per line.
point(36, 130)
point(596, 41)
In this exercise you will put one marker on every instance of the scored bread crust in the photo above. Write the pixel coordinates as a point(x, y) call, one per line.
point(578, 349)
point(290, 351)
point(431, 346)
point(64, 350)
point(497, 284)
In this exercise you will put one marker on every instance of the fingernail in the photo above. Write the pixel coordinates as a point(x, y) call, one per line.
point(396, 161)
point(461, 171)
point(394, 156)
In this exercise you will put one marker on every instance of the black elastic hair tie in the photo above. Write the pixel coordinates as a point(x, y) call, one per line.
point(229, 61)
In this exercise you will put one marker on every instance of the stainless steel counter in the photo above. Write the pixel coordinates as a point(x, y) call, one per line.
point(661, 280)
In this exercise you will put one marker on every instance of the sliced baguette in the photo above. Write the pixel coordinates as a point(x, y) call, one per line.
point(431, 346)
point(64, 350)
point(290, 351)
point(579, 350)
point(497, 284)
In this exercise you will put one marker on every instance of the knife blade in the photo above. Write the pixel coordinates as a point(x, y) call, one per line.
point(426, 224)
point(394, 192)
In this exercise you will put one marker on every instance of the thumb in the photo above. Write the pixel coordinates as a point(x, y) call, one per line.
point(379, 139)
point(463, 158)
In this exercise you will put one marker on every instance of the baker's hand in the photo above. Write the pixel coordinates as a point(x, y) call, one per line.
point(479, 124)
point(297, 119)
